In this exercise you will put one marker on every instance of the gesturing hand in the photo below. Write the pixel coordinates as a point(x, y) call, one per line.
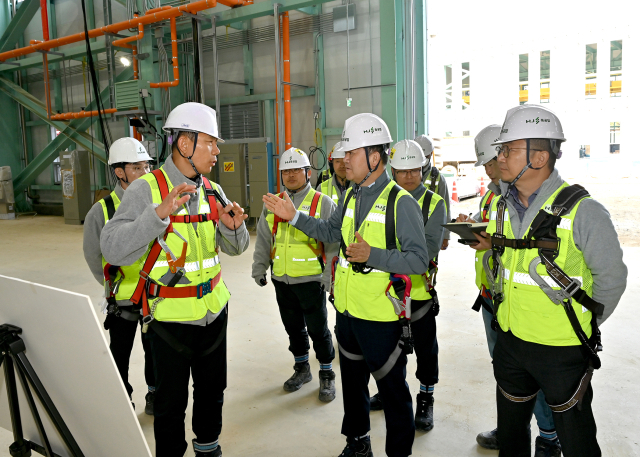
point(171, 203)
point(359, 251)
point(283, 208)
point(234, 222)
point(484, 242)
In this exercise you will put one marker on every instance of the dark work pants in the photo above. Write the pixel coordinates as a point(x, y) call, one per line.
point(122, 334)
point(303, 309)
point(172, 388)
point(374, 342)
point(426, 344)
point(521, 369)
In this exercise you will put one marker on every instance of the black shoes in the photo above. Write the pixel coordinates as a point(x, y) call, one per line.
point(424, 412)
point(488, 440)
point(375, 403)
point(301, 375)
point(149, 399)
point(327, 391)
point(357, 447)
point(547, 448)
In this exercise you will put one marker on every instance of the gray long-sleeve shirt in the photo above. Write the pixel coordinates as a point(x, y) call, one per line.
point(433, 229)
point(413, 259)
point(262, 252)
point(594, 235)
point(136, 224)
point(443, 191)
point(93, 225)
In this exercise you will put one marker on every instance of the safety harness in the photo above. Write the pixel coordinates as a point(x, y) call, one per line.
point(435, 175)
point(148, 289)
point(486, 293)
point(319, 251)
point(542, 236)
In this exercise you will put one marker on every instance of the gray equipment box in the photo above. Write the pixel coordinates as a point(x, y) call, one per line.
point(233, 172)
point(258, 176)
point(76, 185)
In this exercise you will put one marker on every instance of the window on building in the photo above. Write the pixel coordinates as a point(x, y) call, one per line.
point(448, 88)
point(466, 85)
point(614, 137)
point(466, 133)
point(585, 151)
point(615, 84)
point(523, 70)
point(591, 70)
point(545, 76)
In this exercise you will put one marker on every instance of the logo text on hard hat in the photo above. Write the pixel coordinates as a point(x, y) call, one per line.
point(504, 131)
point(407, 158)
point(537, 120)
point(291, 160)
point(344, 139)
point(373, 130)
point(184, 125)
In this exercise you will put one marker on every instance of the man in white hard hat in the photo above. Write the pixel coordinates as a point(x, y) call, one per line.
point(373, 244)
point(434, 181)
point(557, 275)
point(335, 186)
point(174, 220)
point(129, 160)
point(407, 161)
point(297, 264)
point(547, 444)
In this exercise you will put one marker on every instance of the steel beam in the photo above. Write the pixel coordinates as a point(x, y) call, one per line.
point(67, 137)
point(18, 25)
point(245, 13)
point(388, 62)
point(422, 92)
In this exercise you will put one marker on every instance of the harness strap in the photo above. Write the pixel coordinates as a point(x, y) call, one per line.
point(426, 203)
point(487, 207)
point(385, 369)
point(421, 312)
point(578, 395)
point(525, 243)
point(111, 207)
point(199, 291)
point(434, 175)
point(343, 245)
point(481, 303)
point(517, 399)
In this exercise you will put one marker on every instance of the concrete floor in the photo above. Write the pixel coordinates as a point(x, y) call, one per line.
point(260, 419)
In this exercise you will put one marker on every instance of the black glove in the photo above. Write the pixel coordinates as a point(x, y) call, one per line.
point(261, 281)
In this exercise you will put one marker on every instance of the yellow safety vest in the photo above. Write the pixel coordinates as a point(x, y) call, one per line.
point(130, 280)
point(295, 253)
point(526, 310)
point(330, 190)
point(363, 296)
point(201, 264)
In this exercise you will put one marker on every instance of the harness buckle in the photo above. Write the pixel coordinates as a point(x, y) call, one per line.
point(203, 289)
point(573, 287)
point(521, 244)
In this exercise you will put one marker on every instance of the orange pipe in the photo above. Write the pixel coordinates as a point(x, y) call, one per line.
point(44, 17)
point(235, 3)
point(168, 13)
point(123, 43)
point(174, 59)
point(286, 77)
point(155, 10)
point(79, 114)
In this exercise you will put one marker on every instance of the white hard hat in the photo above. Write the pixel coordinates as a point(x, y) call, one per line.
point(337, 151)
point(529, 122)
point(364, 130)
point(127, 150)
point(193, 117)
point(407, 155)
point(294, 158)
point(485, 144)
point(425, 143)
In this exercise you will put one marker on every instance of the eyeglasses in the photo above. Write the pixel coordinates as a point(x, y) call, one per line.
point(137, 168)
point(292, 171)
point(506, 150)
point(405, 173)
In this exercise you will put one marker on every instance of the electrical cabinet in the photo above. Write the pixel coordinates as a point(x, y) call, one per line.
point(258, 176)
point(232, 172)
point(76, 186)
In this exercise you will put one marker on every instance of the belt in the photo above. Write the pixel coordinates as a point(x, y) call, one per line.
point(199, 291)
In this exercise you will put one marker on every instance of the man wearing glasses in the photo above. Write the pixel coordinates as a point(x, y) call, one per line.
point(297, 263)
point(129, 160)
point(557, 275)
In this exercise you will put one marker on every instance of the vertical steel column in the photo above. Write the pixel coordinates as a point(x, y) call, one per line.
point(111, 64)
point(216, 80)
point(389, 94)
point(247, 55)
point(279, 88)
point(421, 79)
point(198, 62)
point(321, 89)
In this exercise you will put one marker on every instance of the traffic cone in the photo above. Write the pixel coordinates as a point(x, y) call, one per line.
point(483, 187)
point(454, 193)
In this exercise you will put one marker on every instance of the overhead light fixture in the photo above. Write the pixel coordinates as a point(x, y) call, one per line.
point(125, 61)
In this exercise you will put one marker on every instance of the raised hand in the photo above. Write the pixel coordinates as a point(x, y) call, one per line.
point(283, 208)
point(171, 203)
point(234, 222)
point(359, 251)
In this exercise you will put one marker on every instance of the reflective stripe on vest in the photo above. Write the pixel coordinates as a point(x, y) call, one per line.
point(128, 284)
point(485, 208)
point(202, 260)
point(363, 296)
point(526, 309)
point(295, 256)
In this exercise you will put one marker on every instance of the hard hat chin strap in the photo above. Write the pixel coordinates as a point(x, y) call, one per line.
point(528, 165)
point(366, 151)
point(193, 165)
